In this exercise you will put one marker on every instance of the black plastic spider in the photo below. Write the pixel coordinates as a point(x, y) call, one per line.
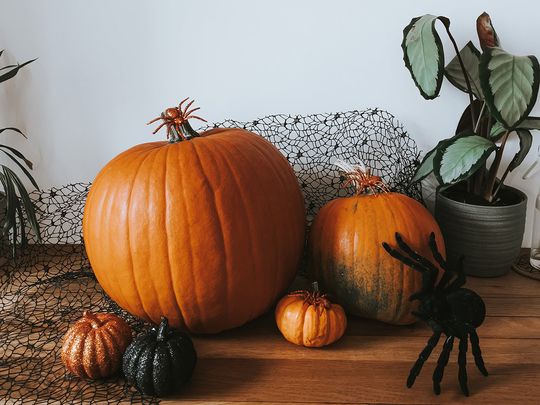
point(447, 308)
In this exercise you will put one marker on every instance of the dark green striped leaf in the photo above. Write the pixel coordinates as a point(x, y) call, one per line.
point(510, 85)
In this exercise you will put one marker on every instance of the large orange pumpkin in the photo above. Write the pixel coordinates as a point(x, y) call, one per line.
point(206, 229)
point(346, 253)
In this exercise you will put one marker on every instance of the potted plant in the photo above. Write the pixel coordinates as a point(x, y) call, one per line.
point(481, 218)
point(16, 209)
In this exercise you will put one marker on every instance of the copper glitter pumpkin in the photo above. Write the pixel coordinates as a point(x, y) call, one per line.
point(93, 347)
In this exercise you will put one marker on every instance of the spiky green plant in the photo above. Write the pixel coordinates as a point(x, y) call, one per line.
point(20, 210)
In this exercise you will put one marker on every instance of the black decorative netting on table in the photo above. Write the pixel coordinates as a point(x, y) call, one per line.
point(47, 288)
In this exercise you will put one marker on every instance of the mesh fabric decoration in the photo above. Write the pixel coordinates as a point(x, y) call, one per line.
point(312, 143)
point(47, 288)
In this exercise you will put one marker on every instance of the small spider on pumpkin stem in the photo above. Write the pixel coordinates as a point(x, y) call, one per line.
point(314, 297)
point(176, 118)
point(361, 178)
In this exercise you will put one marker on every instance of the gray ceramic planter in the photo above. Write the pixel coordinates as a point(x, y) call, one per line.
point(488, 236)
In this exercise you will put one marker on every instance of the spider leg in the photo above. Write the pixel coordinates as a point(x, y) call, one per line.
point(462, 362)
point(187, 113)
point(424, 355)
point(427, 281)
point(196, 117)
point(448, 273)
point(182, 102)
point(414, 255)
point(477, 353)
point(177, 130)
point(158, 128)
point(460, 280)
point(441, 364)
point(154, 120)
point(187, 108)
point(402, 258)
point(435, 250)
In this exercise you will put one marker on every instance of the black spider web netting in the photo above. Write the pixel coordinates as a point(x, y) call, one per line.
point(47, 288)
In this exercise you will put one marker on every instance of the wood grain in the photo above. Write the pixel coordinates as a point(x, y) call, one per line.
point(254, 364)
point(345, 381)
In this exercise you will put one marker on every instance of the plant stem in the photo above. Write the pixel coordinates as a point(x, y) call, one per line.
point(488, 190)
point(501, 181)
point(465, 74)
point(483, 131)
point(479, 118)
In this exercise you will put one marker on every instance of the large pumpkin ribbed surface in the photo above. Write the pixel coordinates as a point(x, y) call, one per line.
point(207, 232)
point(347, 257)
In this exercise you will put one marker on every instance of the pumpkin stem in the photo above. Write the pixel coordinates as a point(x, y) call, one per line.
point(315, 286)
point(94, 321)
point(176, 120)
point(162, 330)
point(361, 178)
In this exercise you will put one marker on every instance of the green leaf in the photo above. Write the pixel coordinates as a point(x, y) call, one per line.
point(510, 85)
point(11, 202)
point(461, 157)
point(8, 223)
point(425, 168)
point(427, 164)
point(12, 129)
point(7, 67)
point(471, 60)
point(530, 123)
point(423, 54)
point(27, 203)
point(14, 71)
point(525, 143)
point(18, 154)
point(497, 130)
point(26, 172)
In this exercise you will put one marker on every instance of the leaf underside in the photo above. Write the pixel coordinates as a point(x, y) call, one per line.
point(471, 60)
point(525, 143)
point(530, 123)
point(426, 167)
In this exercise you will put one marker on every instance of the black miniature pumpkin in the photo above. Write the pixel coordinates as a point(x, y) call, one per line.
point(160, 361)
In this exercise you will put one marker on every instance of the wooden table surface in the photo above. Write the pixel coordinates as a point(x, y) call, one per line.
point(254, 364)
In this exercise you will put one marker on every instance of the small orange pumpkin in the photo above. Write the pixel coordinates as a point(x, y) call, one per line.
point(93, 347)
point(308, 318)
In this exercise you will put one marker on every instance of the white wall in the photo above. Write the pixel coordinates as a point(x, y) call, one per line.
point(106, 67)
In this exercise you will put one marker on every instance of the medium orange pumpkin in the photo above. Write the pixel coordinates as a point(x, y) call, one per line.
point(206, 229)
point(346, 253)
point(93, 347)
point(309, 318)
